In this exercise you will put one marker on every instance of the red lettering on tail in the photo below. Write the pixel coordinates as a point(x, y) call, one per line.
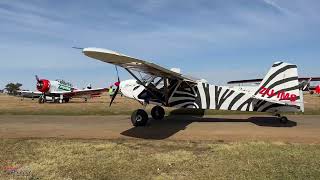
point(281, 95)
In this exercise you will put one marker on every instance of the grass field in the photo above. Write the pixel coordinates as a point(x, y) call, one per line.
point(130, 159)
point(100, 106)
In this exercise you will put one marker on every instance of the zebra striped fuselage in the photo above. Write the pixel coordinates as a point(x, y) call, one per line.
point(206, 96)
point(278, 92)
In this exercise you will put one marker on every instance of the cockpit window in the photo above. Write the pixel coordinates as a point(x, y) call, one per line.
point(147, 79)
point(61, 81)
point(154, 81)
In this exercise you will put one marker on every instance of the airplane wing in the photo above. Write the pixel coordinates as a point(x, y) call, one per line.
point(259, 80)
point(245, 81)
point(134, 64)
point(29, 94)
point(308, 78)
point(79, 93)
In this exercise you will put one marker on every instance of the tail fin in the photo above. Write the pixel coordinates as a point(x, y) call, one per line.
point(281, 85)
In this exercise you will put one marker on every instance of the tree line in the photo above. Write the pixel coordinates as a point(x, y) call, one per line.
point(13, 88)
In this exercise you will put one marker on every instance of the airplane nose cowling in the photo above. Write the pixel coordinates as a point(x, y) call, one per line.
point(43, 85)
point(126, 88)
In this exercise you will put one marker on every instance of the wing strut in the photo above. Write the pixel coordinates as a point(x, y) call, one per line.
point(166, 92)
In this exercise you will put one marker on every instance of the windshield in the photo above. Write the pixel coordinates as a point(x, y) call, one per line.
point(152, 80)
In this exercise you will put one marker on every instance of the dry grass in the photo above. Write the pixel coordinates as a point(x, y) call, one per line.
point(96, 106)
point(312, 104)
point(131, 159)
point(100, 106)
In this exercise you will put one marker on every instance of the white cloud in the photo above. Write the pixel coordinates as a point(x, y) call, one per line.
point(278, 7)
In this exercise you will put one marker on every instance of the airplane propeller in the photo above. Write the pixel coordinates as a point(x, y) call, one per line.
point(43, 94)
point(118, 87)
point(304, 85)
point(307, 84)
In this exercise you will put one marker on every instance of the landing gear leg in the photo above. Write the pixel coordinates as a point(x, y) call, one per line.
point(139, 118)
point(41, 100)
point(157, 113)
point(145, 104)
point(61, 99)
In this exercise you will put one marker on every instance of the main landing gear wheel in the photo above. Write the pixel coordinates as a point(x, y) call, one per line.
point(41, 100)
point(139, 118)
point(157, 113)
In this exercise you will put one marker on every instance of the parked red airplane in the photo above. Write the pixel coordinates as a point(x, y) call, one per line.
point(61, 91)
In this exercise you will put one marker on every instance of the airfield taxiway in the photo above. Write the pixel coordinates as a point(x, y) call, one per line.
point(222, 128)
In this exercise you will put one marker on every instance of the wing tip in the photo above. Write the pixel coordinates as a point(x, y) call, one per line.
point(99, 50)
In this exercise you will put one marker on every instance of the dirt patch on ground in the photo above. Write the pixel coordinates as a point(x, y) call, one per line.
point(300, 129)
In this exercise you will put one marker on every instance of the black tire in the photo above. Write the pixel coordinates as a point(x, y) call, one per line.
point(139, 118)
point(66, 100)
point(157, 113)
point(283, 120)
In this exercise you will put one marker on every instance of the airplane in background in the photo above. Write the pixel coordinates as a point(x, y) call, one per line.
point(305, 83)
point(153, 84)
point(61, 91)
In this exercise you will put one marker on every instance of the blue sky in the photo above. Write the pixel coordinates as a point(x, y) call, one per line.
point(214, 39)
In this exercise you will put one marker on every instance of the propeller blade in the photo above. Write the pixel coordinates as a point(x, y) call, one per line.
point(37, 78)
point(114, 96)
point(117, 73)
point(307, 84)
point(118, 86)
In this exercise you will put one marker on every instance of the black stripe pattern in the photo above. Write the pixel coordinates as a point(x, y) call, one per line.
point(281, 78)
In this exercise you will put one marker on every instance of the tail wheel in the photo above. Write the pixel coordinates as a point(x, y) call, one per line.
point(157, 113)
point(139, 118)
point(283, 120)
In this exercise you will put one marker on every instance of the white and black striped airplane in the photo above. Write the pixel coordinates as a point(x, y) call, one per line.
point(278, 92)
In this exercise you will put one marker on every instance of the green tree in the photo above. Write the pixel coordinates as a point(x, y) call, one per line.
point(13, 88)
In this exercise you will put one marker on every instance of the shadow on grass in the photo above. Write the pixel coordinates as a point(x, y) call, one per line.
point(162, 129)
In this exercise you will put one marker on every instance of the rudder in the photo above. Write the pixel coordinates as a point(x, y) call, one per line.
point(280, 84)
